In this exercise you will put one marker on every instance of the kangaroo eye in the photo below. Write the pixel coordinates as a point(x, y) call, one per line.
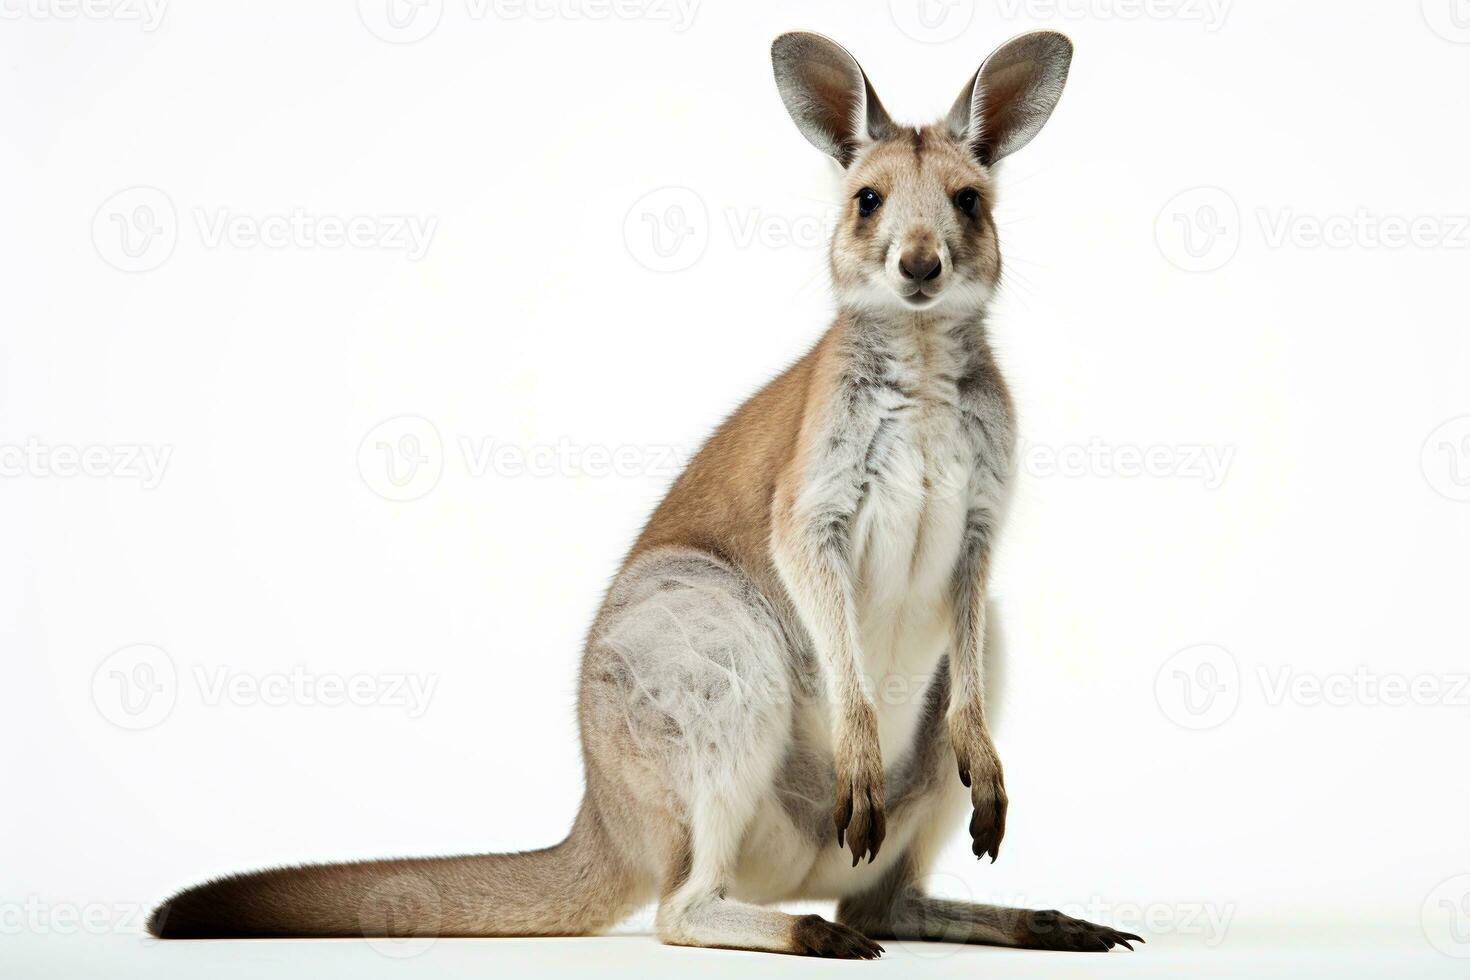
point(967, 200)
point(868, 201)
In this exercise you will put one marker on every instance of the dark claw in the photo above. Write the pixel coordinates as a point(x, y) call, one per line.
point(842, 816)
point(878, 828)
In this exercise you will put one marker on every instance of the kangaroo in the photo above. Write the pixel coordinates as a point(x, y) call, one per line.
point(742, 741)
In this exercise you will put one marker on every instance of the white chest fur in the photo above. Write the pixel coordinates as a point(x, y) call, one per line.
point(910, 527)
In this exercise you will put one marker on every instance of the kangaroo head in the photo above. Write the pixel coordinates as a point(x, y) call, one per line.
point(916, 230)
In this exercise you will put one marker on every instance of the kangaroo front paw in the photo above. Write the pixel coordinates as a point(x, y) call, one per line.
point(980, 770)
point(988, 821)
point(858, 815)
point(1054, 930)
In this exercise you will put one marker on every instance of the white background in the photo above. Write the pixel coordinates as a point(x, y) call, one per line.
point(544, 323)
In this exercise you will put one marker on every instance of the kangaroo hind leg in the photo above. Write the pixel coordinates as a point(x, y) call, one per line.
point(691, 685)
point(898, 908)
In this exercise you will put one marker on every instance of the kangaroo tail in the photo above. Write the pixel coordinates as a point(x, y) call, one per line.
point(574, 888)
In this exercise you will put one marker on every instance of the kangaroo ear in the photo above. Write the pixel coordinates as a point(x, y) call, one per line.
point(1012, 95)
point(828, 95)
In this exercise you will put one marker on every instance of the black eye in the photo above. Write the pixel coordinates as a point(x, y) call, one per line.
point(868, 201)
point(967, 200)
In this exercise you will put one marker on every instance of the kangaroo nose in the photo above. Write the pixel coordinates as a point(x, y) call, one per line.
point(919, 265)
